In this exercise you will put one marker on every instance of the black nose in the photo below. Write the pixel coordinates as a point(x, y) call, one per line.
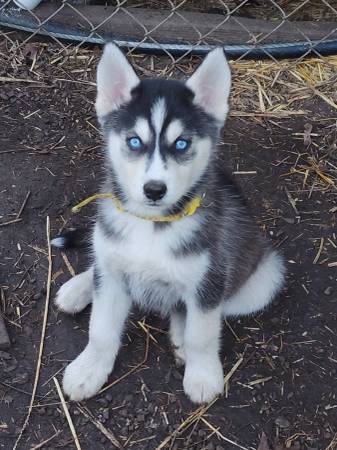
point(155, 190)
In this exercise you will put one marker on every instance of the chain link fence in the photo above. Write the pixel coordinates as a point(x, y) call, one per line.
point(282, 52)
point(245, 28)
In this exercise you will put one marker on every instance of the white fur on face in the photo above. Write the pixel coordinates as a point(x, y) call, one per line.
point(174, 130)
point(133, 173)
point(115, 81)
point(158, 114)
point(142, 130)
point(156, 170)
point(129, 172)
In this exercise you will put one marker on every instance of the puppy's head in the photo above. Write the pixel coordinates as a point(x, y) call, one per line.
point(160, 133)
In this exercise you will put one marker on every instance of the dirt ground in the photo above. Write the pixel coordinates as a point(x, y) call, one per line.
point(282, 391)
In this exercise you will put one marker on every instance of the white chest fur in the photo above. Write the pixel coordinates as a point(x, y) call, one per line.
point(155, 277)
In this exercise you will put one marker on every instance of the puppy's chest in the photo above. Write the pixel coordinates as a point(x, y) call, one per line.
point(147, 258)
point(150, 252)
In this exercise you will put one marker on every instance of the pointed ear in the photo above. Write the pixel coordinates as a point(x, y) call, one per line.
point(211, 84)
point(115, 80)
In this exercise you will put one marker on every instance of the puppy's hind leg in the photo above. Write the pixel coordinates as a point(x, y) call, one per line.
point(260, 288)
point(76, 293)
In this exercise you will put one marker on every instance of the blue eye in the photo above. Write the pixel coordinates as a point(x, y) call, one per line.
point(181, 145)
point(135, 143)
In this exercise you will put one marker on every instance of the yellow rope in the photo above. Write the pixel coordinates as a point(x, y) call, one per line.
point(76, 208)
point(189, 210)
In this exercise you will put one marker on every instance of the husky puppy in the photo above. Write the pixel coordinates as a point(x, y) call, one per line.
point(196, 267)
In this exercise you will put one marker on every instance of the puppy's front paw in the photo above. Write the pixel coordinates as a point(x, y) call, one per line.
point(75, 294)
point(203, 381)
point(85, 376)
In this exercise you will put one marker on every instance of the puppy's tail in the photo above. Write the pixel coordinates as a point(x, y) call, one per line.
point(73, 238)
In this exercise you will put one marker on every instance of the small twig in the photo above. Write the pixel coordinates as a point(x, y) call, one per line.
point(332, 264)
point(4, 224)
point(259, 381)
point(291, 201)
point(233, 369)
point(232, 331)
point(333, 443)
point(43, 332)
point(68, 264)
point(23, 205)
point(196, 415)
point(18, 389)
point(277, 114)
point(54, 375)
point(19, 80)
point(221, 436)
point(24, 276)
point(67, 414)
point(107, 433)
point(199, 412)
point(245, 172)
point(315, 261)
point(41, 444)
point(146, 330)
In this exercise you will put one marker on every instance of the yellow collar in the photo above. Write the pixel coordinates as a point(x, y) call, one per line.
point(189, 209)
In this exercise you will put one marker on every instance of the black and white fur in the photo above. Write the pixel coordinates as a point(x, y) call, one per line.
point(197, 270)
